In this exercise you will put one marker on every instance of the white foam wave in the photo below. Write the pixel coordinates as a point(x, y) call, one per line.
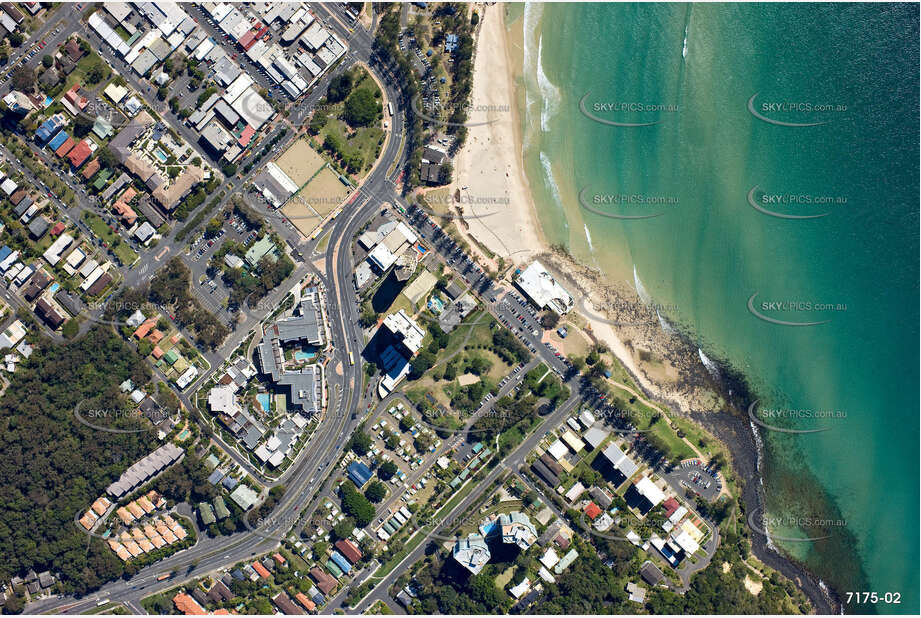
point(640, 290)
point(709, 364)
point(551, 183)
point(549, 93)
point(666, 327)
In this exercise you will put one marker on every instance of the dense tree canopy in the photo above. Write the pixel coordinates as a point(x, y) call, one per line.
point(54, 466)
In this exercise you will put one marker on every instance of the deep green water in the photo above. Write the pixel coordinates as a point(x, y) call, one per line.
point(711, 250)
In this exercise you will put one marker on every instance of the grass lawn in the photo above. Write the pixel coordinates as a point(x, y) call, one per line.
point(366, 141)
point(324, 243)
point(503, 578)
point(78, 75)
point(125, 254)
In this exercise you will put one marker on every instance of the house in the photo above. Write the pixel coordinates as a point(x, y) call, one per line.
point(651, 574)
point(261, 570)
point(80, 153)
point(349, 550)
point(636, 593)
point(592, 510)
point(38, 227)
point(48, 314)
point(359, 473)
point(325, 582)
point(188, 606)
point(283, 602)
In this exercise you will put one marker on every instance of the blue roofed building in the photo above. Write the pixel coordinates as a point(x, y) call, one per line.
point(216, 477)
point(5, 252)
point(359, 473)
point(50, 127)
point(58, 139)
point(341, 562)
point(229, 483)
point(450, 43)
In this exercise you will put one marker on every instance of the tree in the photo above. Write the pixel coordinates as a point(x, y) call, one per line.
point(549, 319)
point(24, 79)
point(361, 108)
point(376, 492)
point(344, 528)
point(95, 72)
point(106, 158)
point(387, 470)
point(47, 61)
point(356, 505)
point(360, 442)
point(420, 364)
point(82, 125)
point(339, 87)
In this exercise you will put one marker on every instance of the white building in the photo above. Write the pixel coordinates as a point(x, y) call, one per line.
point(405, 329)
point(543, 290)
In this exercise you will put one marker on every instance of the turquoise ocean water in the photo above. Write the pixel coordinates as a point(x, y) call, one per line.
point(693, 69)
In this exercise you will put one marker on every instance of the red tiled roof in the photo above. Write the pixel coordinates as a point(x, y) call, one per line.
point(188, 606)
point(246, 136)
point(128, 195)
point(671, 505)
point(306, 602)
point(263, 572)
point(80, 153)
point(58, 228)
point(64, 148)
point(144, 328)
point(348, 549)
point(592, 510)
point(91, 169)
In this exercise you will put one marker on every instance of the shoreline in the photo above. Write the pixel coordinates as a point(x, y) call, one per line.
point(489, 174)
point(678, 377)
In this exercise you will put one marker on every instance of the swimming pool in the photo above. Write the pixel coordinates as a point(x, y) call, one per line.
point(301, 355)
point(264, 401)
point(436, 305)
point(160, 155)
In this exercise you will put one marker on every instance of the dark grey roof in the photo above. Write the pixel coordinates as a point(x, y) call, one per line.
point(651, 574)
point(38, 227)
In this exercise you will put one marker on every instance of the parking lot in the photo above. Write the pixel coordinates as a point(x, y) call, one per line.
point(693, 474)
point(211, 291)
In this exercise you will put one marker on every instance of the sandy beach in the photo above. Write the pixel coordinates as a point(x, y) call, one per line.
point(490, 188)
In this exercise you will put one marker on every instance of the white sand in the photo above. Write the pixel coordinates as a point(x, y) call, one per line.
point(490, 163)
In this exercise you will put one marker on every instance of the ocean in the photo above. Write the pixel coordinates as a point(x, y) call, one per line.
point(768, 156)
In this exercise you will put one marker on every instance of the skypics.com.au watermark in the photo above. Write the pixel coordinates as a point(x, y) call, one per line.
point(768, 418)
point(118, 311)
point(766, 309)
point(469, 203)
point(468, 114)
point(107, 418)
point(794, 113)
point(625, 113)
point(801, 205)
point(627, 206)
point(813, 528)
point(630, 310)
